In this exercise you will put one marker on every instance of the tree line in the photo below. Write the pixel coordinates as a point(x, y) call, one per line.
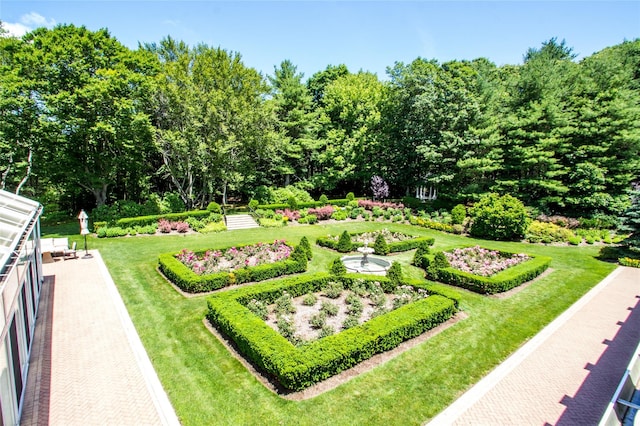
point(85, 120)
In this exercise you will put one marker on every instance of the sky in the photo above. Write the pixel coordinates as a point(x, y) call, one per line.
point(364, 35)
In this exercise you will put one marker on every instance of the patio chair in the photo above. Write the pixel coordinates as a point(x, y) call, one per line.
point(70, 251)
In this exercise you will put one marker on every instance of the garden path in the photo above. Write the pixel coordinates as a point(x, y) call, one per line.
point(568, 372)
point(88, 366)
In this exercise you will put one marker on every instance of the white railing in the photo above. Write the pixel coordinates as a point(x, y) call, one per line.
point(621, 404)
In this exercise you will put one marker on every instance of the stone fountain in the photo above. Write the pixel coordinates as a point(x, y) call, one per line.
point(366, 263)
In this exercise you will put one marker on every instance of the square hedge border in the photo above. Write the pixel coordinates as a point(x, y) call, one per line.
point(498, 283)
point(297, 368)
point(190, 282)
point(396, 247)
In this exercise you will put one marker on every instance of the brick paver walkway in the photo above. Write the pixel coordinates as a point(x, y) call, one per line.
point(566, 374)
point(88, 366)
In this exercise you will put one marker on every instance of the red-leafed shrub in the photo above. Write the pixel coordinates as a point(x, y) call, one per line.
point(322, 213)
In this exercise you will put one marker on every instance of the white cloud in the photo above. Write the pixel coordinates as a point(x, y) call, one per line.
point(27, 23)
point(36, 20)
point(15, 30)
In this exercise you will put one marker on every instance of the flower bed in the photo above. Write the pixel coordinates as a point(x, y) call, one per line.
point(228, 260)
point(506, 271)
point(396, 241)
point(299, 367)
point(480, 261)
point(197, 272)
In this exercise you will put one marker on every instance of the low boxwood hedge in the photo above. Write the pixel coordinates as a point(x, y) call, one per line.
point(148, 220)
point(182, 276)
point(297, 368)
point(395, 247)
point(304, 205)
point(498, 283)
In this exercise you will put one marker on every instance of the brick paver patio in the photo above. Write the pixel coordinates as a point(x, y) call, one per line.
point(88, 366)
point(567, 374)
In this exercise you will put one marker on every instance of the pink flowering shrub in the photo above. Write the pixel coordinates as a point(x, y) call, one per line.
point(289, 214)
point(164, 226)
point(322, 213)
point(480, 261)
point(235, 258)
point(182, 227)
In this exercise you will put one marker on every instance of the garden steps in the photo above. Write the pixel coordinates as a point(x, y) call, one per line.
point(241, 221)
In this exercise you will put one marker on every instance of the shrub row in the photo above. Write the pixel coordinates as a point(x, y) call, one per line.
point(151, 219)
point(299, 367)
point(395, 247)
point(182, 276)
point(340, 202)
point(627, 261)
point(498, 283)
point(426, 223)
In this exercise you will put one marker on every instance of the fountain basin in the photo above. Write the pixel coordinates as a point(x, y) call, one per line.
point(373, 265)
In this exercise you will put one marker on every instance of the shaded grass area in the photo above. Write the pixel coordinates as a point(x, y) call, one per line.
point(207, 385)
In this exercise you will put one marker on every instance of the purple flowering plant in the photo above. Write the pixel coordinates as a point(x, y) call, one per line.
point(233, 258)
point(480, 261)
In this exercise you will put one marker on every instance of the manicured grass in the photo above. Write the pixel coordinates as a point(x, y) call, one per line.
point(207, 385)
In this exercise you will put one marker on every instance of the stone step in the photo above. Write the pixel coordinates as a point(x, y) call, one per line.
point(241, 221)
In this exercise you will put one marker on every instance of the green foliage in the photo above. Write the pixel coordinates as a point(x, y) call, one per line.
point(541, 232)
point(318, 320)
point(293, 203)
point(309, 299)
point(380, 245)
point(395, 273)
point(323, 200)
point(306, 246)
point(631, 221)
point(350, 196)
point(339, 215)
point(270, 223)
point(344, 243)
point(258, 308)
point(458, 214)
point(253, 204)
point(337, 267)
point(422, 250)
point(627, 261)
point(333, 289)
point(499, 217)
point(214, 207)
point(331, 309)
point(284, 304)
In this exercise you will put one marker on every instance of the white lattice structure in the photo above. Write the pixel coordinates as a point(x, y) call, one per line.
point(426, 194)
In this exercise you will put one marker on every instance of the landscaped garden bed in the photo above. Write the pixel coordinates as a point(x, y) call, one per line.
point(297, 367)
point(209, 270)
point(394, 241)
point(482, 270)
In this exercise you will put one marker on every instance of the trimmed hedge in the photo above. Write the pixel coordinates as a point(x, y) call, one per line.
point(149, 220)
point(498, 283)
point(304, 205)
point(297, 368)
point(396, 247)
point(182, 276)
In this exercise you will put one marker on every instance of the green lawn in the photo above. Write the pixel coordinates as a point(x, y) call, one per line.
point(207, 385)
